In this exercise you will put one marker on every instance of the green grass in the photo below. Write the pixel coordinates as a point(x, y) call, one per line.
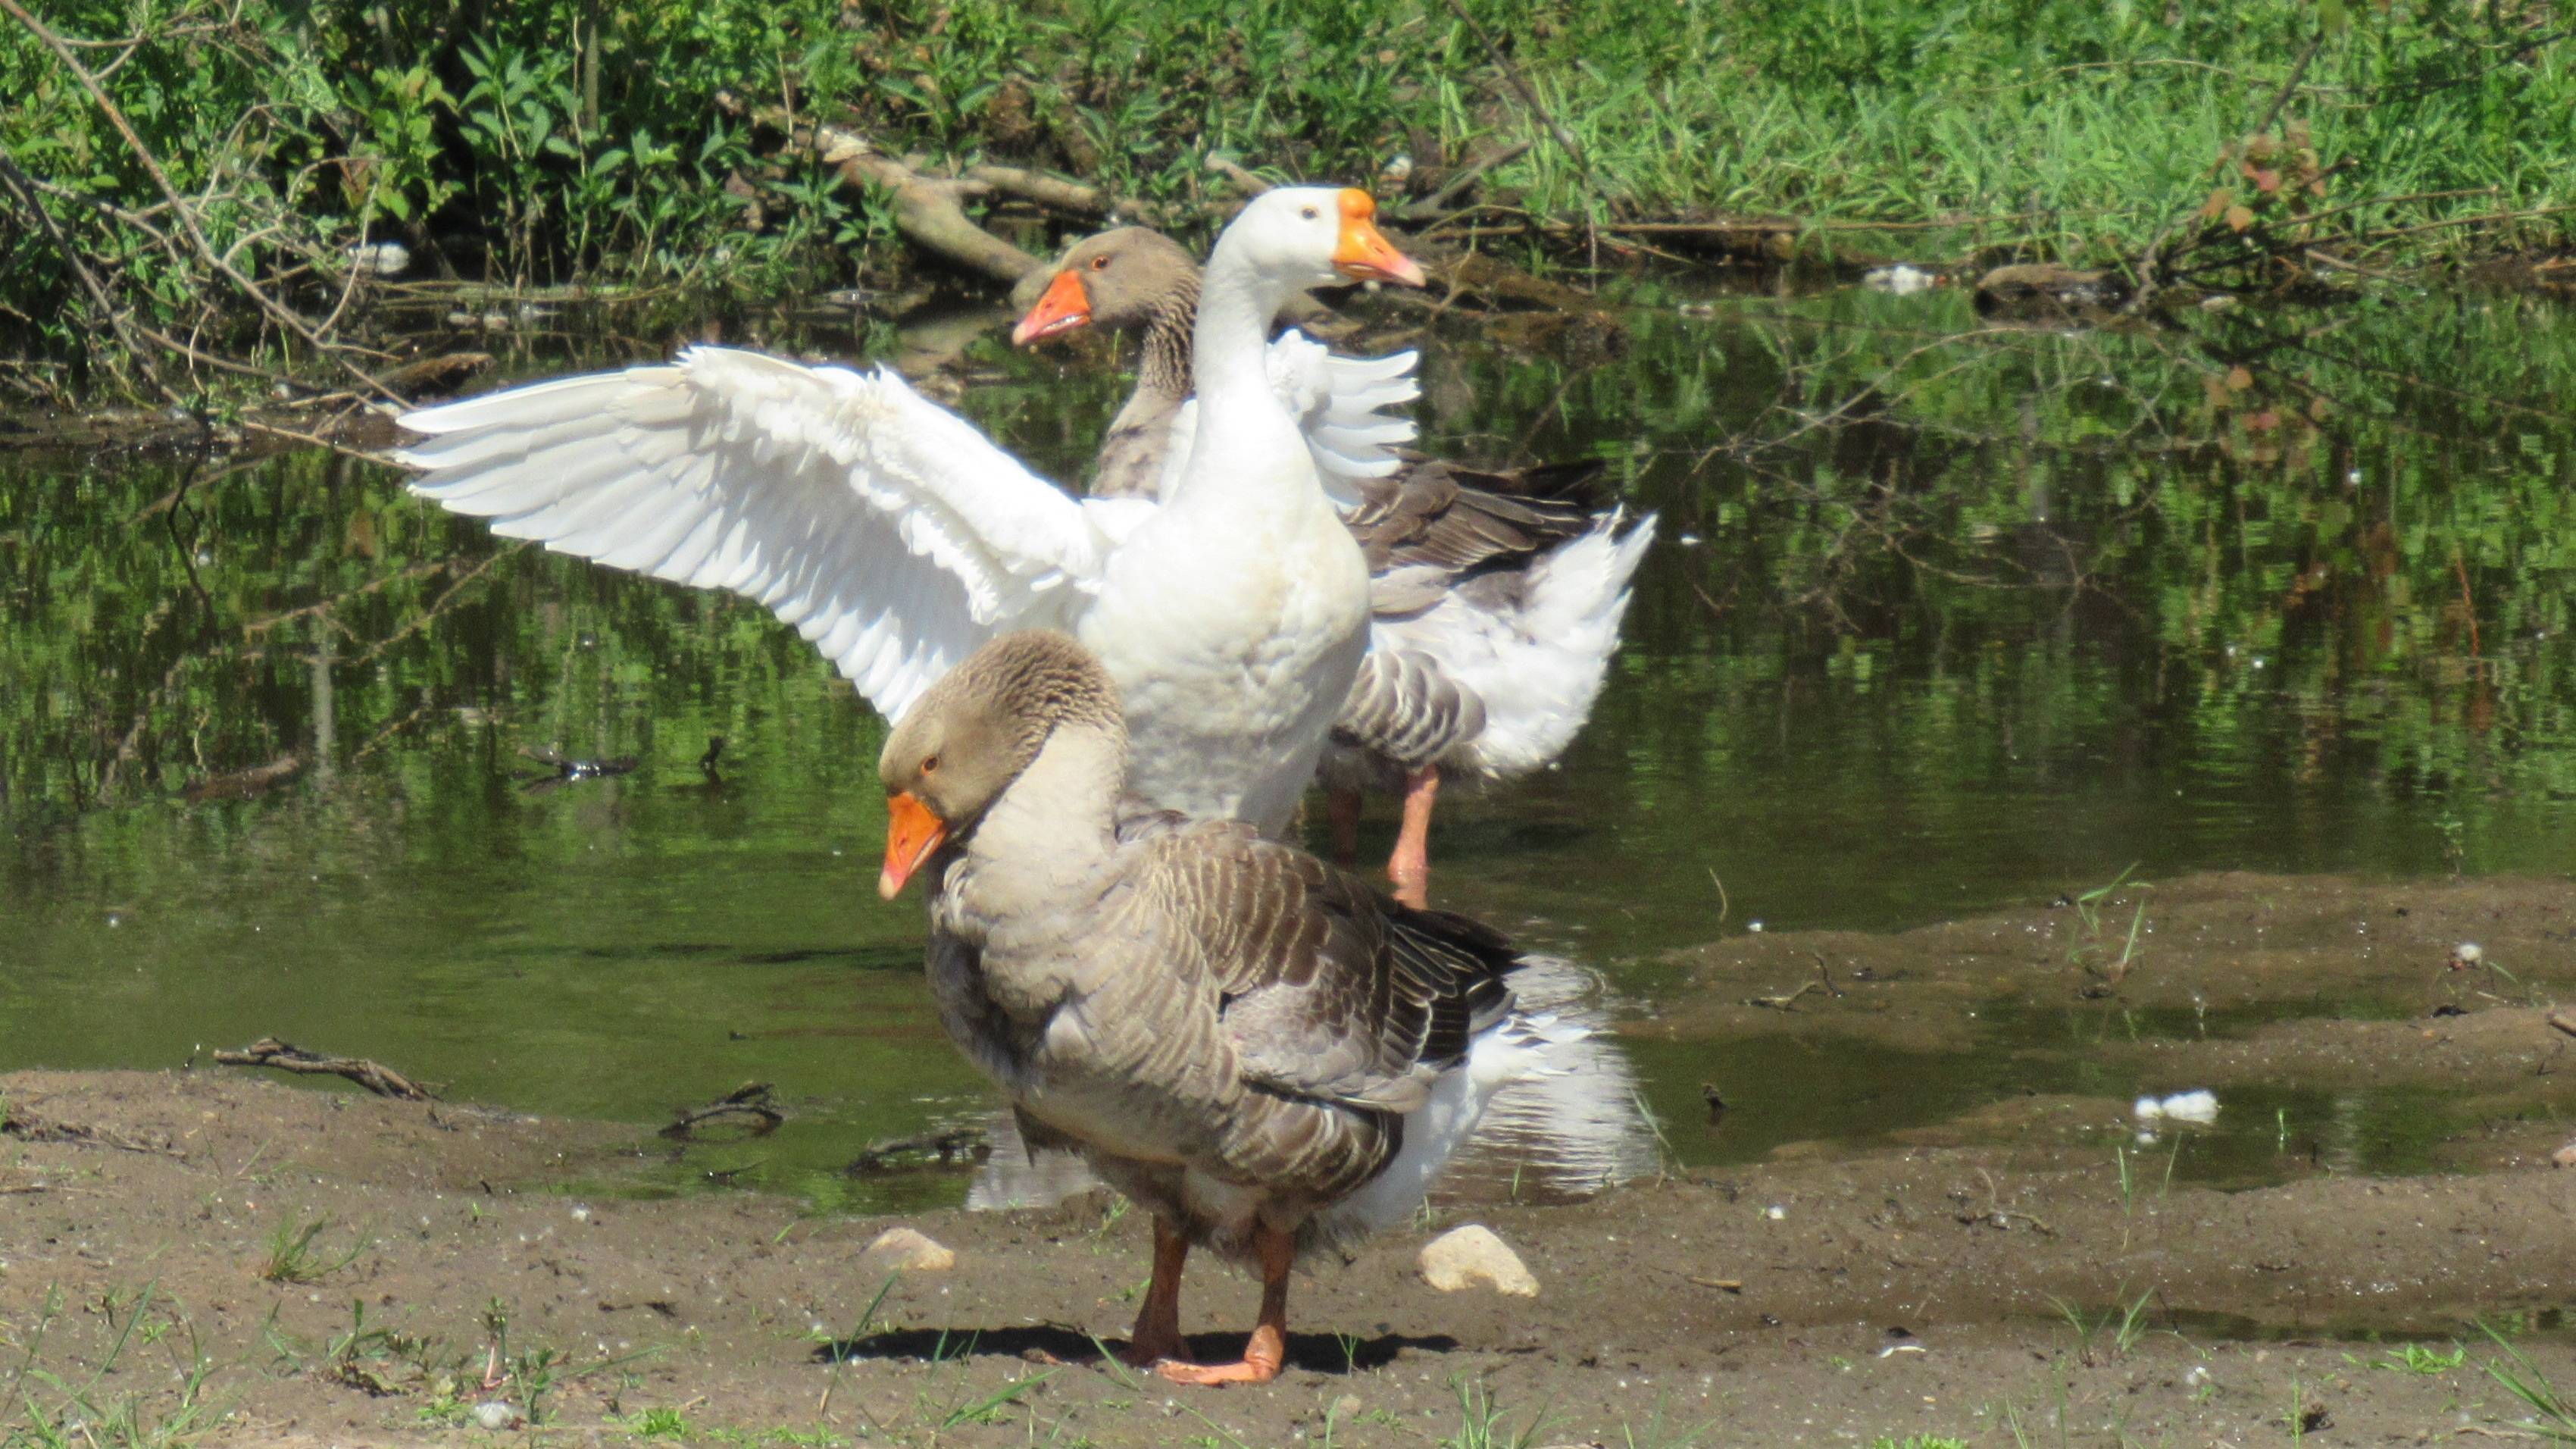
point(42, 1408)
point(560, 141)
point(293, 1256)
point(1484, 1424)
point(2551, 1416)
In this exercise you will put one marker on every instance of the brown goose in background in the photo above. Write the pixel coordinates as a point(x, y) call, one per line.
point(1265, 1053)
point(1495, 597)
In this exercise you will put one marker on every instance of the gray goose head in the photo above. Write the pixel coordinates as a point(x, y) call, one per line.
point(972, 734)
point(1121, 278)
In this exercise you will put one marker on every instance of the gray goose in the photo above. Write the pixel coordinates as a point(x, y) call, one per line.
point(1265, 1053)
point(1495, 597)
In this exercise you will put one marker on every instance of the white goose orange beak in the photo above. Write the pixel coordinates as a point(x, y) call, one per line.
point(1065, 306)
point(1364, 253)
point(912, 833)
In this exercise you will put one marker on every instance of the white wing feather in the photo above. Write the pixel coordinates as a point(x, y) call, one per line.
point(1335, 401)
point(890, 532)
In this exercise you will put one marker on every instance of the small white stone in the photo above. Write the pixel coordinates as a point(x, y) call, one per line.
point(1775, 1212)
point(1471, 1257)
point(2564, 1157)
point(910, 1251)
point(495, 1415)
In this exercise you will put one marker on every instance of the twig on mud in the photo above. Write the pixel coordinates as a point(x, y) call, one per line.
point(33, 1129)
point(2563, 1022)
point(1824, 982)
point(316, 440)
point(751, 1100)
point(268, 1051)
point(1996, 1213)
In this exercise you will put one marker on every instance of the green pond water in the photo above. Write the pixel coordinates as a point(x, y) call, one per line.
point(1944, 616)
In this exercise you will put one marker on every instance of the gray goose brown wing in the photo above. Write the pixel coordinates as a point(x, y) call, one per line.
point(1327, 990)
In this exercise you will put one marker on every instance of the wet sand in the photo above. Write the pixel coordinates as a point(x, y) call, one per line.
point(1990, 1274)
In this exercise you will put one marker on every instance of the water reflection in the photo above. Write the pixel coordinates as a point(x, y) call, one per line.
point(1959, 623)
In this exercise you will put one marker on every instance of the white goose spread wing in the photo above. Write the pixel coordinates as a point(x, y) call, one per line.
point(1335, 401)
point(890, 532)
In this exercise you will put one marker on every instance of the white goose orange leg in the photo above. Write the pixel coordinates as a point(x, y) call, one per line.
point(1410, 866)
point(1268, 1347)
point(1157, 1334)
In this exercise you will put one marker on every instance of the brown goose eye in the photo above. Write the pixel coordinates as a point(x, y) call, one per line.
point(930, 764)
point(1100, 264)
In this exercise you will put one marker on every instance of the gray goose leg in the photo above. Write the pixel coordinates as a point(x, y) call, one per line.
point(1157, 1334)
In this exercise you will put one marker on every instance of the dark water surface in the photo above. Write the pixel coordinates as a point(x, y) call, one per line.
point(1944, 617)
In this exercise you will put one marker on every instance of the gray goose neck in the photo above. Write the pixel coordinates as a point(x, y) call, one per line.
point(1164, 370)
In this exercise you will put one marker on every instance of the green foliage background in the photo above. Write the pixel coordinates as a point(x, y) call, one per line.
point(580, 139)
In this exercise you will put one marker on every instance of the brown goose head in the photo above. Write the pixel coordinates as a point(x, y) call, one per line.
point(972, 733)
point(1120, 278)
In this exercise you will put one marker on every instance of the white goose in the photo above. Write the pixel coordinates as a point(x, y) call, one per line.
point(896, 538)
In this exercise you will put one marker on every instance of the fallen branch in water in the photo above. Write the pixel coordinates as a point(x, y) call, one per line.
point(750, 1100)
point(382, 1080)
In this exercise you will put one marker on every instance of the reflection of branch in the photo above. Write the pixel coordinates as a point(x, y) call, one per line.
point(131, 743)
point(438, 605)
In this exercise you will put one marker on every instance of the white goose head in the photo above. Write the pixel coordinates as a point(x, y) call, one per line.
point(1312, 236)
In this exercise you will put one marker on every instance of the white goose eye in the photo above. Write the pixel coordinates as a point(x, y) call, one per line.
point(1307, 212)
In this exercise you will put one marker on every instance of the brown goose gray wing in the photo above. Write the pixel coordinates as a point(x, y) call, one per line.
point(1435, 522)
point(1326, 989)
point(1404, 706)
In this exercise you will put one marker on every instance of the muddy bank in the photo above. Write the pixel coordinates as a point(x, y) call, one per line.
point(1921, 1290)
point(2208, 952)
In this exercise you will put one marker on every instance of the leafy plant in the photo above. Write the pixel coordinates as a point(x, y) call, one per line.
point(294, 1258)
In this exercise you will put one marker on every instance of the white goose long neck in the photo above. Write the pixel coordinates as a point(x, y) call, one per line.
point(1244, 431)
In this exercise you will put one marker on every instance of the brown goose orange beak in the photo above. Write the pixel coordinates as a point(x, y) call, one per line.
point(912, 833)
point(1064, 307)
point(1364, 253)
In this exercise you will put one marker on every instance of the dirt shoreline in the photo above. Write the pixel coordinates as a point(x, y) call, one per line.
point(1998, 1277)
